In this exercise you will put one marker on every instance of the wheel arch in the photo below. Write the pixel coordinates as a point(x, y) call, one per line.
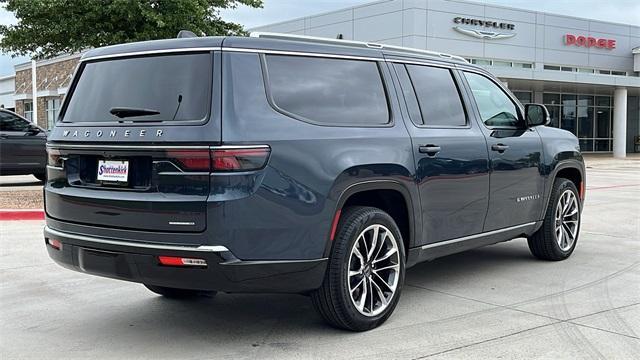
point(388, 195)
point(572, 170)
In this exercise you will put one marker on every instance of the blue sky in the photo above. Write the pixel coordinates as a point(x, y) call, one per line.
point(623, 11)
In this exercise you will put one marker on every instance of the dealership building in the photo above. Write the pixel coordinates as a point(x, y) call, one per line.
point(585, 71)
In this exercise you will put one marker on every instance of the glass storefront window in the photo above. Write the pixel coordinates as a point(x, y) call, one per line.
point(603, 120)
point(587, 116)
point(568, 121)
point(585, 122)
point(554, 113)
point(525, 97)
point(585, 100)
point(551, 99)
point(586, 145)
point(603, 145)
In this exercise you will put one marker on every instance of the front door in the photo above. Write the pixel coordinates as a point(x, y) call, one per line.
point(450, 153)
point(515, 152)
point(22, 145)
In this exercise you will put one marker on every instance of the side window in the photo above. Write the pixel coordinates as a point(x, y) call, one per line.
point(10, 122)
point(496, 108)
point(438, 96)
point(328, 91)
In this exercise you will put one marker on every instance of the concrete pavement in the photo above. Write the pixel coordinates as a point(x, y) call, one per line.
point(492, 302)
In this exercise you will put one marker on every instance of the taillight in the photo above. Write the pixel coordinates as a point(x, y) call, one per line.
point(239, 159)
point(236, 158)
point(54, 158)
point(191, 160)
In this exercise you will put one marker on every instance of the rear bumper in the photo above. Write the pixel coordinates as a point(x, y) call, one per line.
point(138, 262)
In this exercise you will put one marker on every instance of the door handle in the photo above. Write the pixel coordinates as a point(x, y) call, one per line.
point(499, 147)
point(429, 149)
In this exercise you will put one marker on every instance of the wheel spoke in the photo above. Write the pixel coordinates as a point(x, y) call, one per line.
point(353, 273)
point(394, 266)
point(387, 255)
point(363, 296)
point(374, 243)
point(386, 284)
point(357, 253)
point(358, 285)
point(383, 299)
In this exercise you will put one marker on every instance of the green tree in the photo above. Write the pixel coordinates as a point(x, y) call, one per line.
point(47, 28)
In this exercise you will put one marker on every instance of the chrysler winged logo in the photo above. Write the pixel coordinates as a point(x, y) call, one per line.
point(489, 32)
point(483, 34)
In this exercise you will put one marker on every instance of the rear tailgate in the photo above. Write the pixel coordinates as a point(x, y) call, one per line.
point(163, 190)
point(131, 147)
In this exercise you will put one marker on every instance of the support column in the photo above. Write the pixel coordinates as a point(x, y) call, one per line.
point(34, 92)
point(620, 123)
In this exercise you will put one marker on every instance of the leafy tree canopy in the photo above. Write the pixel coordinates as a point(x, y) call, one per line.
point(47, 28)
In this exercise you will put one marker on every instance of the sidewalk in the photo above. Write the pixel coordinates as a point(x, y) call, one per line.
point(603, 161)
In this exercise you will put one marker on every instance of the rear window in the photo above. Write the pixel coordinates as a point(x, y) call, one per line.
point(171, 87)
point(328, 91)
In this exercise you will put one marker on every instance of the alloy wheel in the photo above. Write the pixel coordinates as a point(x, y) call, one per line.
point(567, 219)
point(374, 270)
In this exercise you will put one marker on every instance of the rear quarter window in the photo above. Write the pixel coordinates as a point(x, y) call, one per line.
point(176, 86)
point(328, 91)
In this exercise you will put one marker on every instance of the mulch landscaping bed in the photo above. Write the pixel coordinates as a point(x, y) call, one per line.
point(21, 199)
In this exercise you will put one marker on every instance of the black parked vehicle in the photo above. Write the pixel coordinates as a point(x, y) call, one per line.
point(299, 165)
point(22, 146)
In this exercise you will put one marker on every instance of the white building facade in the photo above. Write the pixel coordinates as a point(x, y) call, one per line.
point(585, 71)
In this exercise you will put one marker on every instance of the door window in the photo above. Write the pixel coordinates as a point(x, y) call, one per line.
point(10, 122)
point(438, 96)
point(496, 108)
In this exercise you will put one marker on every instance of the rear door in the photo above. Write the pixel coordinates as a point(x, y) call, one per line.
point(450, 153)
point(22, 145)
point(132, 148)
point(515, 151)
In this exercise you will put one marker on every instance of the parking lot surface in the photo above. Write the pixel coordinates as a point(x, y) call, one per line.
point(497, 301)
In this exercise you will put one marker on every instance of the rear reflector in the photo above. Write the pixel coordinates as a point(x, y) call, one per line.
point(56, 244)
point(180, 261)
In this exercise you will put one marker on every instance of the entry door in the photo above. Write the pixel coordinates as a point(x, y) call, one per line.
point(515, 152)
point(450, 153)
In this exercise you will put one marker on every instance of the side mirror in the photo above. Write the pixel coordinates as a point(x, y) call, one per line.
point(536, 115)
point(33, 130)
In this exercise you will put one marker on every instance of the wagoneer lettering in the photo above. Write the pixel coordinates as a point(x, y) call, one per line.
point(325, 171)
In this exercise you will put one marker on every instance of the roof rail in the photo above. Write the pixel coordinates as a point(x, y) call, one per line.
point(353, 43)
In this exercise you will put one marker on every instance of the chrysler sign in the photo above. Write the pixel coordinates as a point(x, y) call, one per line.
point(483, 29)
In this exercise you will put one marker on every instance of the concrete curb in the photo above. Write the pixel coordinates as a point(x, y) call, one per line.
point(20, 214)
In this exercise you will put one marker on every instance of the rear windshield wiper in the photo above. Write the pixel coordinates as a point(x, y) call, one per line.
point(123, 112)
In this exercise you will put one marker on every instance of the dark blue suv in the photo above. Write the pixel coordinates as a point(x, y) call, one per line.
point(300, 165)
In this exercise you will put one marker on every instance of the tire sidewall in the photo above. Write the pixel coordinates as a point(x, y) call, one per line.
point(349, 234)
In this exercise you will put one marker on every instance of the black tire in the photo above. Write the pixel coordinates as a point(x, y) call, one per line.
point(174, 293)
point(333, 300)
point(42, 177)
point(544, 243)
